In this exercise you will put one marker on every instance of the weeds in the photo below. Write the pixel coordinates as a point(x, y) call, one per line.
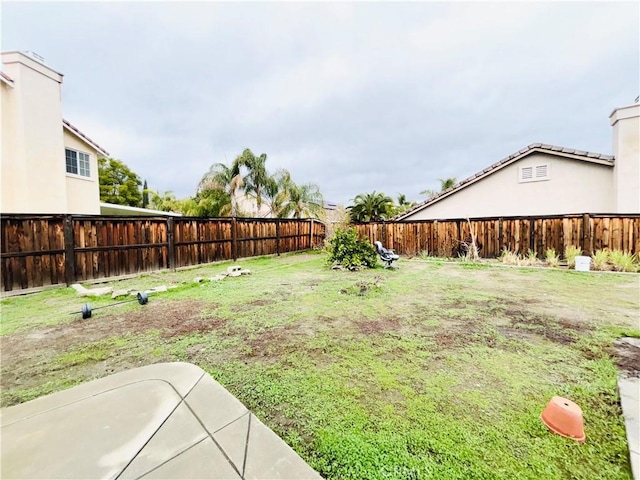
point(570, 255)
point(623, 261)
point(600, 260)
point(552, 258)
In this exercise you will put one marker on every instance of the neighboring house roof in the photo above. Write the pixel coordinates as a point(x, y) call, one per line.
point(570, 153)
point(66, 124)
point(6, 78)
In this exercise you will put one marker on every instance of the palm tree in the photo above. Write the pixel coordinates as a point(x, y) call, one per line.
point(275, 192)
point(403, 204)
point(224, 178)
point(257, 176)
point(302, 201)
point(371, 207)
point(445, 184)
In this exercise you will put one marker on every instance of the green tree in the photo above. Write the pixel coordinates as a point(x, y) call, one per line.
point(227, 179)
point(165, 202)
point(371, 207)
point(302, 201)
point(118, 183)
point(208, 203)
point(257, 176)
point(403, 204)
point(275, 192)
point(445, 184)
point(145, 195)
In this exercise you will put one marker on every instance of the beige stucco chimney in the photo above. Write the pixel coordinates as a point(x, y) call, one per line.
point(626, 150)
point(32, 148)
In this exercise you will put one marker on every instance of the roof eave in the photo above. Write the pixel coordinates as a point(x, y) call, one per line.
point(77, 133)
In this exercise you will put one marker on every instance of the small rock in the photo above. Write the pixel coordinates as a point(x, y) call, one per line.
point(93, 292)
point(218, 277)
point(233, 269)
point(198, 280)
point(120, 293)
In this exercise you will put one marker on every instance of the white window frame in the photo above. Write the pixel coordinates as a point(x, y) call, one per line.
point(82, 165)
point(534, 173)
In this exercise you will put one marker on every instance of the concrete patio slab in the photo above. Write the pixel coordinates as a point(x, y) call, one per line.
point(160, 421)
point(630, 401)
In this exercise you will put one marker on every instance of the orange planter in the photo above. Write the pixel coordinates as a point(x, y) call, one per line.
point(564, 417)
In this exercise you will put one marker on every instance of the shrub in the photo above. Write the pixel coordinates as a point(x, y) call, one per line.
point(623, 261)
point(600, 260)
point(570, 254)
point(552, 258)
point(347, 250)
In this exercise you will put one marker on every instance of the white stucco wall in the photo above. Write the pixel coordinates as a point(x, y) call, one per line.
point(574, 186)
point(626, 149)
point(83, 193)
point(33, 169)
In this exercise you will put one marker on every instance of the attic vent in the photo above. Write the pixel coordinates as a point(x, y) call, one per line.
point(526, 173)
point(541, 171)
point(534, 173)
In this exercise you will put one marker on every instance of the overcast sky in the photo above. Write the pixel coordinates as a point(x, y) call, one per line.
point(355, 97)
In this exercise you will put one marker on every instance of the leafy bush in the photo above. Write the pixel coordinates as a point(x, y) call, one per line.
point(552, 258)
point(570, 254)
point(350, 252)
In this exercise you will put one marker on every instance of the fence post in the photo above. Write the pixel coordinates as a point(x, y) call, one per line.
point(311, 233)
point(171, 247)
point(234, 239)
point(436, 248)
point(278, 237)
point(69, 251)
point(532, 244)
point(384, 234)
point(586, 234)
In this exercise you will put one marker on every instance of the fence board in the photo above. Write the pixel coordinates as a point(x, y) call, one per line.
point(34, 252)
point(590, 232)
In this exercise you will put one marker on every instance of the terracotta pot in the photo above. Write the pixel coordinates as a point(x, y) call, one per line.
point(564, 417)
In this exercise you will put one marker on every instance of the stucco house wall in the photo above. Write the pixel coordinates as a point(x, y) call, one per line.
point(577, 181)
point(83, 193)
point(502, 194)
point(34, 177)
point(626, 149)
point(33, 174)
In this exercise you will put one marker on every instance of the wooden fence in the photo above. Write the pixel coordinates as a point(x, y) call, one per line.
point(40, 250)
point(441, 238)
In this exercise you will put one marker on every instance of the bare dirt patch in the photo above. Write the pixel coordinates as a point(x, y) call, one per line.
point(245, 307)
point(627, 353)
point(369, 327)
point(559, 330)
point(172, 317)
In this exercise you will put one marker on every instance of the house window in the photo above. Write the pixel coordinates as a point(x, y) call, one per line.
point(77, 163)
point(534, 173)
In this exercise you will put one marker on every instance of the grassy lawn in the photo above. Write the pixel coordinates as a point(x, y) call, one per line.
point(436, 370)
